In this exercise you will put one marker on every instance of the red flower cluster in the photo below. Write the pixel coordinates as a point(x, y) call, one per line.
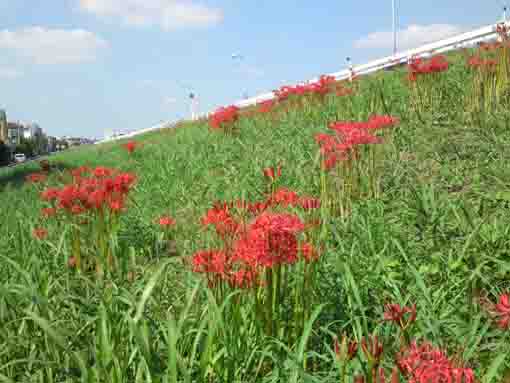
point(372, 348)
point(342, 91)
point(166, 221)
point(502, 311)
point(260, 239)
point(350, 134)
point(320, 87)
point(48, 212)
point(269, 241)
point(36, 178)
point(424, 363)
point(273, 173)
point(418, 66)
point(40, 233)
point(103, 188)
point(130, 146)
point(221, 116)
point(490, 46)
point(397, 314)
point(477, 62)
point(346, 350)
point(266, 106)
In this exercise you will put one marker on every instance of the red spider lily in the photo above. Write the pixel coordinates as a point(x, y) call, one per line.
point(270, 240)
point(116, 205)
point(347, 350)
point(223, 116)
point(309, 203)
point(372, 349)
point(502, 309)
point(476, 62)
point(424, 363)
point(97, 199)
point(166, 221)
point(342, 91)
point(101, 171)
point(123, 182)
point(266, 106)
point(211, 262)
point(130, 146)
point(487, 46)
point(348, 135)
point(272, 173)
point(258, 207)
point(80, 171)
point(40, 233)
point(281, 223)
point(418, 67)
point(222, 220)
point(77, 210)
point(36, 177)
point(284, 197)
point(332, 148)
point(381, 121)
point(320, 87)
point(94, 192)
point(71, 262)
point(244, 279)
point(397, 314)
point(48, 212)
point(354, 133)
point(50, 194)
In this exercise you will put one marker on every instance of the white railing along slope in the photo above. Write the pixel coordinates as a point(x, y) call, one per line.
point(465, 39)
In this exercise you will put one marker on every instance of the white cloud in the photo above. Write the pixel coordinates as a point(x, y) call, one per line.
point(168, 14)
point(9, 73)
point(411, 37)
point(53, 46)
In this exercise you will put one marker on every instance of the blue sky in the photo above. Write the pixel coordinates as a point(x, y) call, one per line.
point(85, 67)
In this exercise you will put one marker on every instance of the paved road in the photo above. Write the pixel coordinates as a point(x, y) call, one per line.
point(14, 164)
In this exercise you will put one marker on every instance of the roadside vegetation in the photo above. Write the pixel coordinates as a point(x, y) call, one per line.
point(344, 232)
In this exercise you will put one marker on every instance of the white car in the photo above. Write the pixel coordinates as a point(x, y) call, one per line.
point(20, 157)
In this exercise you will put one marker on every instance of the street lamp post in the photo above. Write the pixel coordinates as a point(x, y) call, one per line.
point(351, 69)
point(240, 57)
point(193, 106)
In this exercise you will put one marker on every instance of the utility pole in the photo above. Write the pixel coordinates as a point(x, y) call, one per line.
point(394, 13)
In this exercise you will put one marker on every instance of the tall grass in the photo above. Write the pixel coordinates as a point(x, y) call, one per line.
point(436, 233)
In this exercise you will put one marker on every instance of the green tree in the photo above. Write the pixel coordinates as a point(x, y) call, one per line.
point(5, 154)
point(26, 147)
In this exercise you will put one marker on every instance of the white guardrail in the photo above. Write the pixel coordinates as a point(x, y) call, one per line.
point(486, 33)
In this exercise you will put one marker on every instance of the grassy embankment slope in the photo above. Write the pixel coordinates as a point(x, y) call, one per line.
point(438, 236)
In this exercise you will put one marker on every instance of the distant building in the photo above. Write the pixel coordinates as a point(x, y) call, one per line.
point(32, 130)
point(52, 144)
point(14, 133)
point(3, 126)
